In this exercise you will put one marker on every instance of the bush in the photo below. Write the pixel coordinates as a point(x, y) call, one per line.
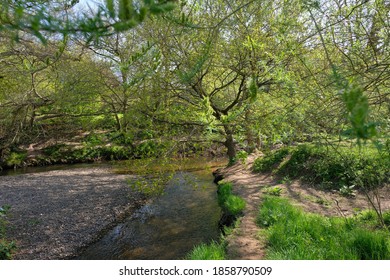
point(242, 156)
point(16, 159)
point(148, 149)
point(6, 247)
point(386, 218)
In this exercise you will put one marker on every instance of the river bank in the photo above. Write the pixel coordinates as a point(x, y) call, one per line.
point(246, 241)
point(56, 213)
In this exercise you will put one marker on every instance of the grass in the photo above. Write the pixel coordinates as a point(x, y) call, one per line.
point(270, 160)
point(337, 168)
point(230, 203)
point(293, 234)
point(212, 251)
point(275, 191)
point(232, 206)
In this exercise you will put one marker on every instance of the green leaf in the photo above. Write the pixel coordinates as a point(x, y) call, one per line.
point(111, 8)
point(252, 89)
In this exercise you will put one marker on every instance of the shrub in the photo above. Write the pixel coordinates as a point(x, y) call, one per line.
point(94, 139)
point(386, 218)
point(16, 159)
point(6, 247)
point(242, 156)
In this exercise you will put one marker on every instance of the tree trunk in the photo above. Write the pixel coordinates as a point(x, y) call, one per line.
point(229, 143)
point(118, 122)
point(248, 132)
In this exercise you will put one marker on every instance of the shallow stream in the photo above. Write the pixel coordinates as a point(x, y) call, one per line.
point(166, 227)
point(169, 226)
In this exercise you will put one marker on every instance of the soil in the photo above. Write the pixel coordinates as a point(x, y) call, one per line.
point(246, 242)
point(55, 214)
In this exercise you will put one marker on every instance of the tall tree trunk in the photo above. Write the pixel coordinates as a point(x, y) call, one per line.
point(248, 132)
point(229, 143)
point(118, 122)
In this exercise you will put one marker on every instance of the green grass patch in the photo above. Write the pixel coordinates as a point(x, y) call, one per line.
point(230, 203)
point(212, 251)
point(270, 160)
point(337, 168)
point(295, 235)
point(272, 190)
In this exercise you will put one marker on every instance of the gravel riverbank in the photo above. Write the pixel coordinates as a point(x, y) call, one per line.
point(55, 214)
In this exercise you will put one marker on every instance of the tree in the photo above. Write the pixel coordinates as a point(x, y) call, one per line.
point(125, 56)
point(45, 86)
point(42, 17)
point(220, 62)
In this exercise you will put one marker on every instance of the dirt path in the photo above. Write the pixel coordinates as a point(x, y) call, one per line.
point(245, 243)
point(54, 214)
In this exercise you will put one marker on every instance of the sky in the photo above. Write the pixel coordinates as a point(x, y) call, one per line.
point(85, 4)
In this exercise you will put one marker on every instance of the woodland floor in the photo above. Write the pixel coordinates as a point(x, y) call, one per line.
point(245, 242)
point(54, 214)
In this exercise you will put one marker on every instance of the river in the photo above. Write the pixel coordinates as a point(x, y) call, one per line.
point(165, 227)
point(169, 226)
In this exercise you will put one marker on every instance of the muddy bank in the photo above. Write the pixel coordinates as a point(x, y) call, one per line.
point(56, 213)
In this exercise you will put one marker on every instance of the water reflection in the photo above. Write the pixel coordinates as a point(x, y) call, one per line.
point(169, 226)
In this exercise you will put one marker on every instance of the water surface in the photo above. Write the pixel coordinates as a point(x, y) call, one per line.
point(169, 226)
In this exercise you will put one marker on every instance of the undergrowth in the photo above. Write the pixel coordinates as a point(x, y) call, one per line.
point(293, 234)
point(6, 247)
point(270, 160)
point(232, 206)
point(331, 167)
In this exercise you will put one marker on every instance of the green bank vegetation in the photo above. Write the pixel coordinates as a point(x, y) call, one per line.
point(293, 234)
point(231, 204)
point(6, 247)
point(232, 207)
point(212, 251)
point(330, 167)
